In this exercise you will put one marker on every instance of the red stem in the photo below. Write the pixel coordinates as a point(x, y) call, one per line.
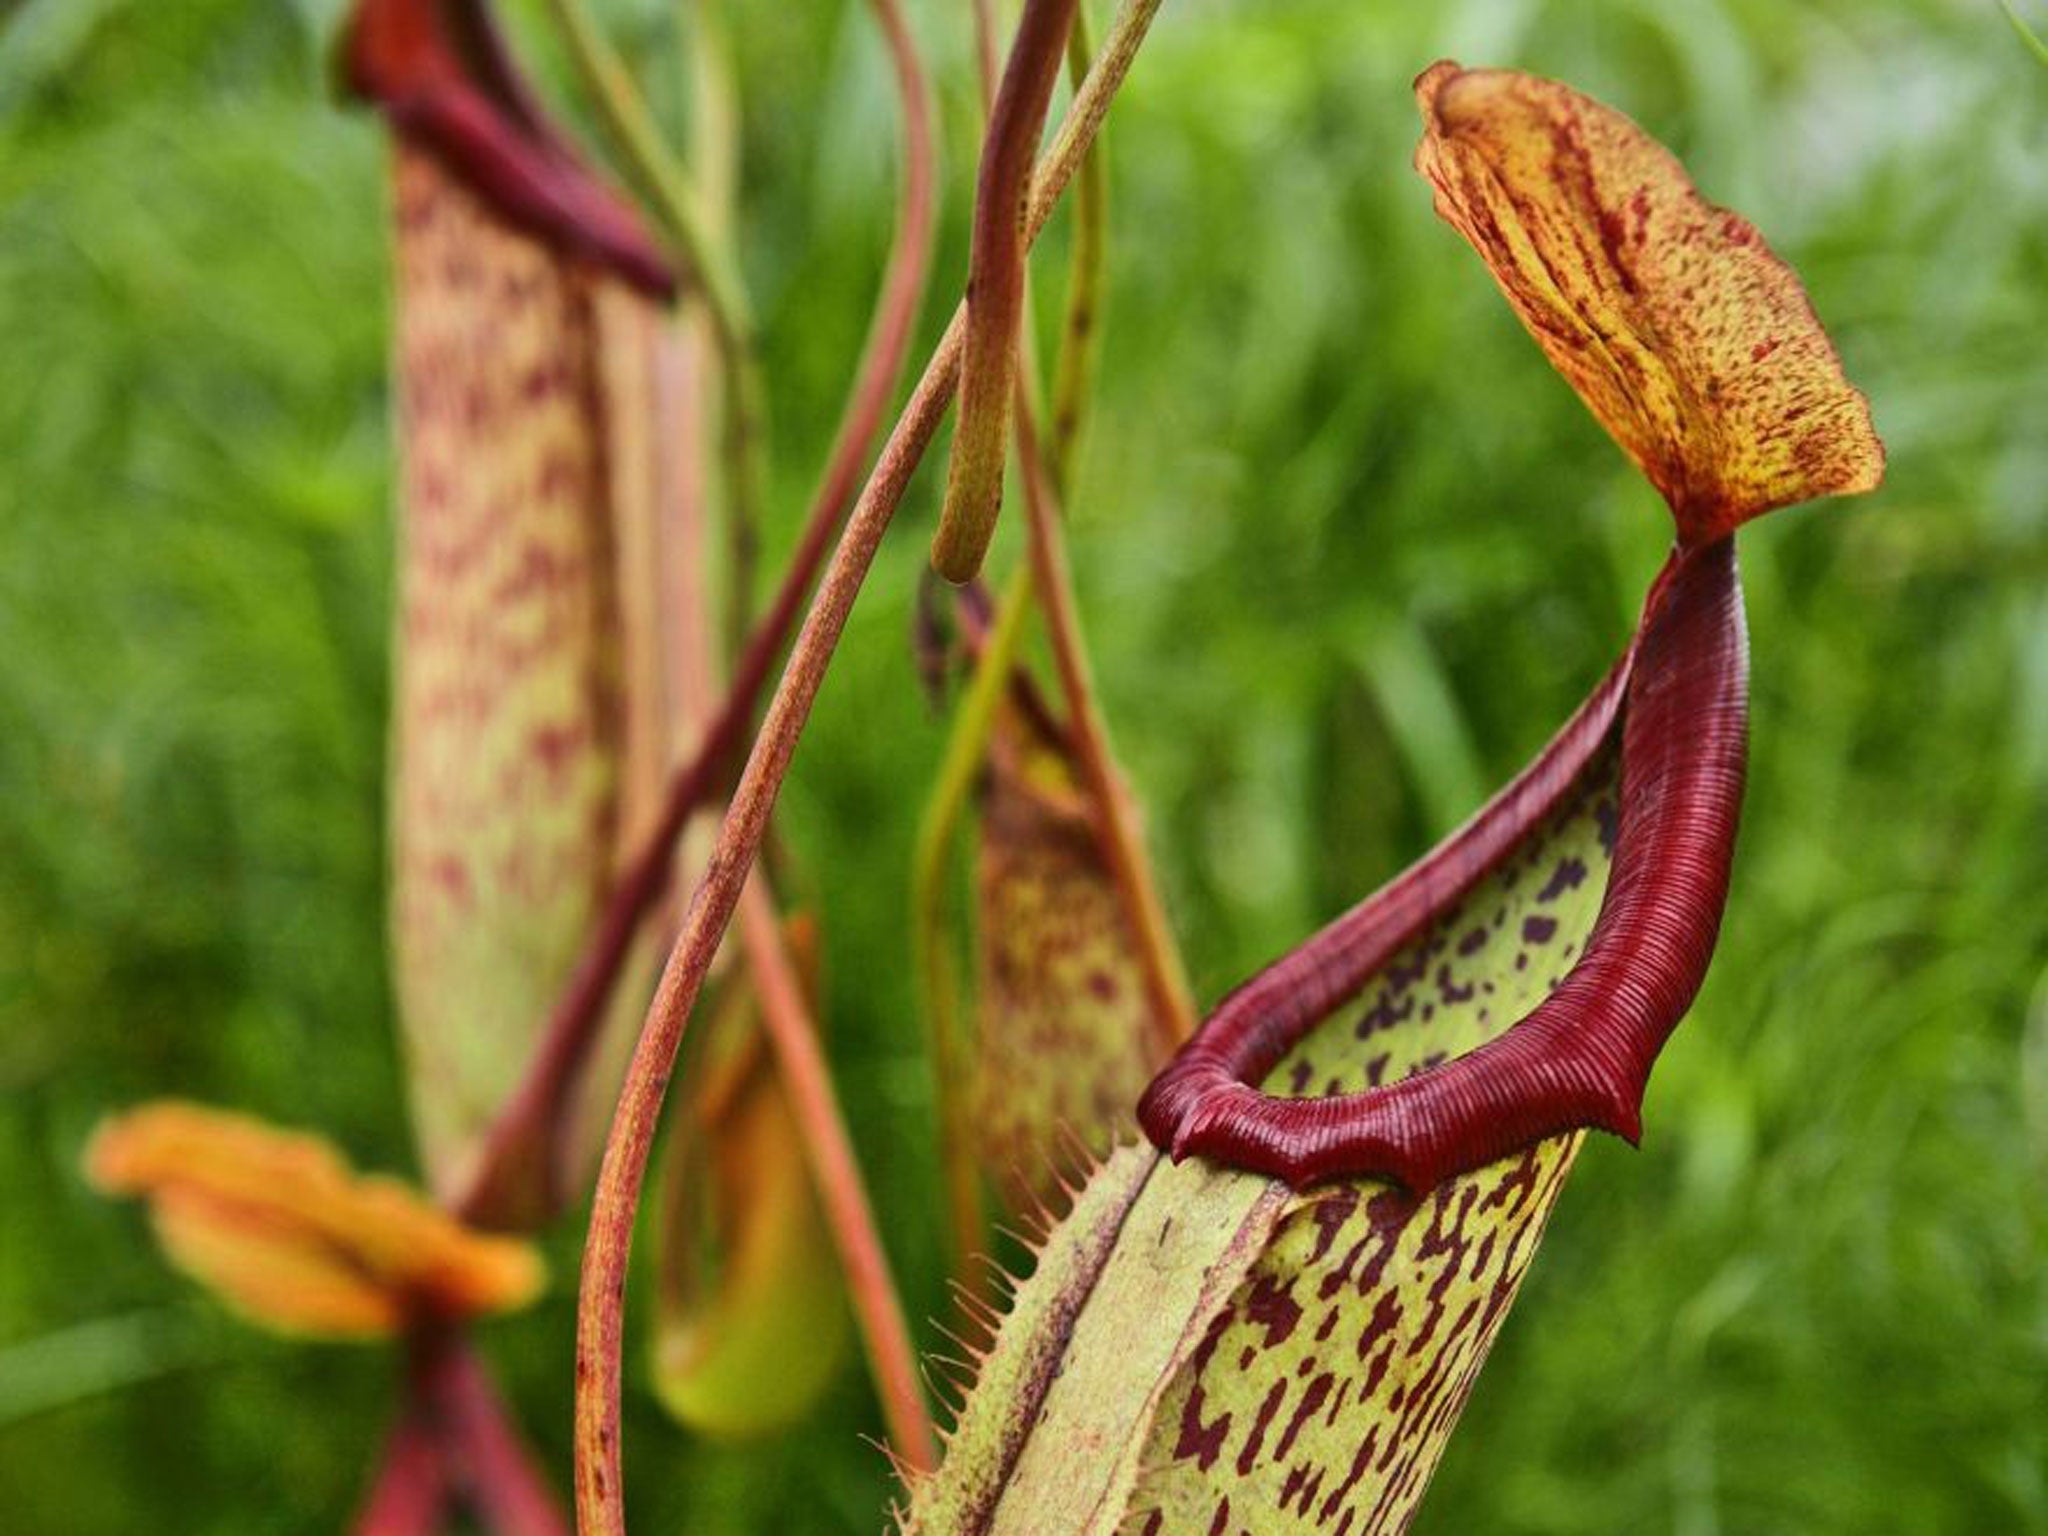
point(532, 1117)
point(836, 1171)
point(1582, 1057)
point(411, 1492)
point(600, 1312)
point(1123, 840)
point(455, 1441)
point(620, 1176)
point(807, 1083)
point(486, 1452)
point(995, 288)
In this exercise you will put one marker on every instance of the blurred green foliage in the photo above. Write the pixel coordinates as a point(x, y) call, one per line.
point(1348, 551)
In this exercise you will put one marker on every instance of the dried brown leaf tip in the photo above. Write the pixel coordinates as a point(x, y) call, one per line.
point(278, 1225)
point(1065, 1039)
point(1692, 343)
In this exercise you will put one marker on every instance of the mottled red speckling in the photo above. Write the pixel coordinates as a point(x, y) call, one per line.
point(1694, 345)
point(519, 763)
point(1063, 1032)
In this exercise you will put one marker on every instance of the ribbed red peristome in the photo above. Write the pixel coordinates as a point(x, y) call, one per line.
point(1679, 700)
point(442, 75)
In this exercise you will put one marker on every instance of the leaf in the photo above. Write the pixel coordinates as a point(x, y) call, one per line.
point(276, 1224)
point(535, 699)
point(749, 1347)
point(1692, 343)
point(1064, 1039)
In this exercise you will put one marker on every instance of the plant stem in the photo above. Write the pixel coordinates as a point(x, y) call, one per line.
point(1074, 366)
point(2029, 38)
point(527, 1126)
point(962, 761)
point(876, 1301)
point(483, 1449)
point(800, 1061)
point(665, 182)
point(995, 289)
point(661, 176)
point(714, 116)
point(600, 1499)
point(714, 156)
point(410, 1494)
point(600, 1317)
point(959, 768)
point(1173, 1012)
point(455, 1441)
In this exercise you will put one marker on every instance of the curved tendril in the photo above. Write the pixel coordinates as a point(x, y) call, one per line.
point(1081, 318)
point(600, 1315)
point(535, 1110)
point(995, 289)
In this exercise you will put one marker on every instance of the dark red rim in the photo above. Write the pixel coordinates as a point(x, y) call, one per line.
point(441, 72)
point(1678, 702)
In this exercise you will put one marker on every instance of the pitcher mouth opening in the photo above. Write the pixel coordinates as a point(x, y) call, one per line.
point(1674, 708)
